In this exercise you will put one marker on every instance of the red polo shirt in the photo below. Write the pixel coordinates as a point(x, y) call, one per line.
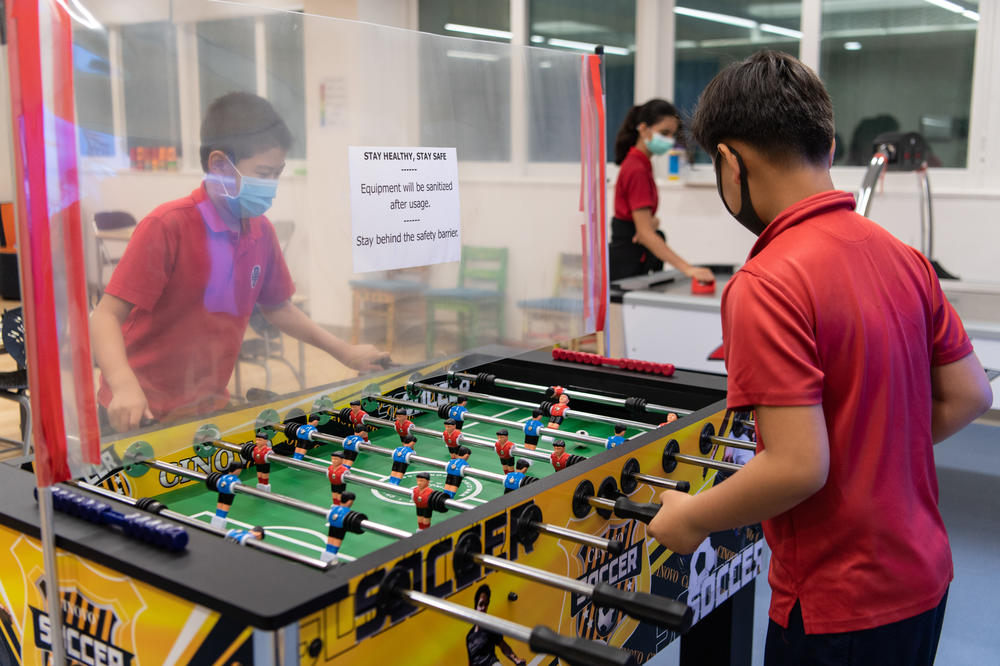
point(831, 309)
point(635, 187)
point(193, 284)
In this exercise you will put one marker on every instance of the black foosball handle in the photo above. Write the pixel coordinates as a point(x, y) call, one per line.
point(578, 651)
point(641, 511)
point(661, 611)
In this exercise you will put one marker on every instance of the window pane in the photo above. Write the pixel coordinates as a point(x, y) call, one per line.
point(899, 66)
point(226, 61)
point(711, 34)
point(478, 79)
point(286, 87)
point(92, 87)
point(579, 25)
point(149, 62)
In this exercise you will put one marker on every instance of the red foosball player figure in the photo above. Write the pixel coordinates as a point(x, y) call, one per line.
point(452, 437)
point(242, 536)
point(261, 449)
point(302, 444)
point(558, 411)
point(401, 459)
point(456, 470)
point(561, 459)
point(352, 442)
point(226, 495)
point(336, 530)
point(357, 415)
point(422, 498)
point(671, 417)
point(403, 425)
point(505, 449)
point(457, 411)
point(336, 472)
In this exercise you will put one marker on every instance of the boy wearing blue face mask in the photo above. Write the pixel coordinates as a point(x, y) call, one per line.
point(637, 245)
point(168, 330)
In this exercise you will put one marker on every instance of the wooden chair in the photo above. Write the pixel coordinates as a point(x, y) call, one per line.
point(478, 299)
point(562, 313)
point(385, 298)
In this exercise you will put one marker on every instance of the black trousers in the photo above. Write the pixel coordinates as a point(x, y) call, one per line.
point(909, 642)
point(626, 258)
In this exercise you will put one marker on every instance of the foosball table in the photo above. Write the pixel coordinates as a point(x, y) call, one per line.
point(395, 522)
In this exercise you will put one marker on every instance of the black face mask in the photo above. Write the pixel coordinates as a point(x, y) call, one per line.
point(747, 216)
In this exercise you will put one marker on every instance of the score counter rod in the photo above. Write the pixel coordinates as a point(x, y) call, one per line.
point(570, 413)
point(197, 524)
point(239, 488)
point(552, 392)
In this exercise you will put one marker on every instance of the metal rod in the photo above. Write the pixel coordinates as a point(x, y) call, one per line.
point(470, 471)
point(205, 527)
point(582, 395)
point(875, 168)
point(707, 462)
point(242, 489)
point(601, 503)
point(570, 413)
point(559, 434)
point(47, 531)
point(488, 622)
point(537, 575)
point(926, 214)
point(735, 443)
point(657, 481)
point(571, 535)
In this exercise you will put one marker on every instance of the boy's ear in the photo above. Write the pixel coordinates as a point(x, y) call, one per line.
point(730, 159)
point(218, 161)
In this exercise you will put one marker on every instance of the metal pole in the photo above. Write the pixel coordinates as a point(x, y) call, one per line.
point(48, 537)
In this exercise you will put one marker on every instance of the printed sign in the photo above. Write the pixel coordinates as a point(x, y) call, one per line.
point(404, 207)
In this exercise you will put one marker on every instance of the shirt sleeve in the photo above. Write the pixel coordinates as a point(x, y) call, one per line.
point(639, 191)
point(770, 349)
point(144, 269)
point(278, 286)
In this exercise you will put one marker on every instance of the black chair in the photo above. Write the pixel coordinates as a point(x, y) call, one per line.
point(14, 383)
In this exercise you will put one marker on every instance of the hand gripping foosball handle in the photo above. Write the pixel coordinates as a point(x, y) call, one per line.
point(642, 511)
point(577, 651)
point(661, 611)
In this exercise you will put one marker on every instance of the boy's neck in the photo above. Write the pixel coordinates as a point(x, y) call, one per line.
point(783, 188)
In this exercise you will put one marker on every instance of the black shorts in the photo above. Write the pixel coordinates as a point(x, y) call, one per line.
point(556, 419)
point(507, 490)
point(424, 511)
point(626, 258)
point(399, 467)
point(350, 455)
point(531, 439)
point(336, 532)
point(507, 462)
point(226, 498)
point(305, 444)
point(452, 480)
point(338, 487)
point(264, 468)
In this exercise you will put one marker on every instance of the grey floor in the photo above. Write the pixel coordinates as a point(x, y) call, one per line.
point(968, 467)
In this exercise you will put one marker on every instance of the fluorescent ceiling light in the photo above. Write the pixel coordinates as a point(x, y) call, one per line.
point(969, 14)
point(852, 46)
point(946, 4)
point(585, 46)
point(476, 30)
point(537, 39)
point(717, 18)
point(472, 55)
point(778, 30)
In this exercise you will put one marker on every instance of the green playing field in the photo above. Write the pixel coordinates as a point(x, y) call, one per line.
point(306, 533)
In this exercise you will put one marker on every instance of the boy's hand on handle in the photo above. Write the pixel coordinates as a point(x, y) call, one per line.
point(366, 358)
point(671, 525)
point(128, 409)
point(701, 274)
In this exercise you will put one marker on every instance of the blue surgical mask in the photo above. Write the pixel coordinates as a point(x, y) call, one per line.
point(659, 144)
point(253, 198)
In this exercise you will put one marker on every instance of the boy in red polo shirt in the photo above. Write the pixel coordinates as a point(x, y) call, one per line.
point(840, 338)
point(168, 330)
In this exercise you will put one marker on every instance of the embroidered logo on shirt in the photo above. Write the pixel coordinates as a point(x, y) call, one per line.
point(254, 276)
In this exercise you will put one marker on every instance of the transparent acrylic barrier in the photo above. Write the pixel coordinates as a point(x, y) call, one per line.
point(202, 299)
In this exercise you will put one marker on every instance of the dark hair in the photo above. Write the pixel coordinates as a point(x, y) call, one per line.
point(347, 497)
point(450, 422)
point(360, 427)
point(464, 451)
point(480, 591)
point(259, 528)
point(523, 463)
point(242, 125)
point(650, 113)
point(771, 101)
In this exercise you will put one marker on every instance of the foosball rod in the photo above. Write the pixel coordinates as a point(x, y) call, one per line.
point(239, 488)
point(569, 413)
point(493, 420)
point(660, 611)
point(710, 463)
point(540, 639)
point(481, 442)
point(734, 443)
point(549, 393)
point(197, 524)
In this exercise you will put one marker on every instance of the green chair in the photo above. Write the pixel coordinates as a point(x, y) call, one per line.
point(478, 299)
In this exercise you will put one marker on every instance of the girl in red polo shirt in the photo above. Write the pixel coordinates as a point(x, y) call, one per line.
point(637, 245)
